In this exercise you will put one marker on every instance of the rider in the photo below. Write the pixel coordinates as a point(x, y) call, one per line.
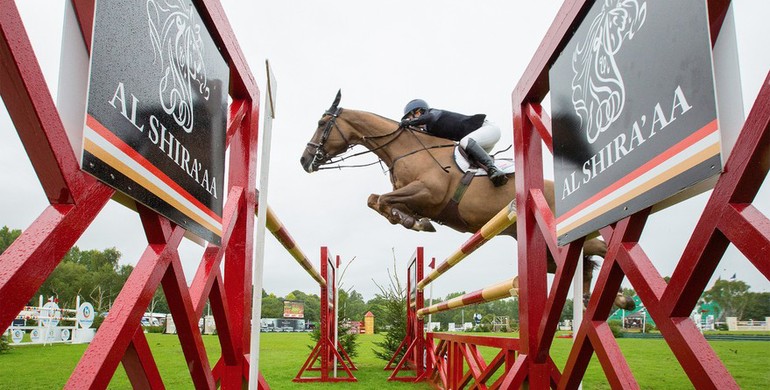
point(477, 136)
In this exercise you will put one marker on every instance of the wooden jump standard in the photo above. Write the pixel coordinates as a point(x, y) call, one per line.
point(444, 364)
point(505, 218)
point(325, 352)
point(413, 343)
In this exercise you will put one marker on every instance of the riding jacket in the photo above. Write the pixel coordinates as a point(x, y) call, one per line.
point(447, 124)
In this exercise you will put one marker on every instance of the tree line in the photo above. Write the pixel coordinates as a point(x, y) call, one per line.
point(97, 276)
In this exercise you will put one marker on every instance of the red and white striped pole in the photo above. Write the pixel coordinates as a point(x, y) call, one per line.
point(494, 292)
point(505, 218)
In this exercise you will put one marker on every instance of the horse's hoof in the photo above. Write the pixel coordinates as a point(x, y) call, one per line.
point(424, 225)
point(408, 222)
point(624, 302)
point(373, 201)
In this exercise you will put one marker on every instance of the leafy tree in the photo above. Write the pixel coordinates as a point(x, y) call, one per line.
point(378, 307)
point(347, 340)
point(272, 307)
point(158, 303)
point(4, 344)
point(352, 305)
point(730, 295)
point(7, 237)
point(567, 312)
point(757, 306)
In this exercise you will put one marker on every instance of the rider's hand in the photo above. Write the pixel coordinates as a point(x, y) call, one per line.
point(405, 123)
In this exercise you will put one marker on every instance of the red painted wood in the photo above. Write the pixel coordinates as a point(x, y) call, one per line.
point(139, 364)
point(531, 244)
point(224, 332)
point(414, 339)
point(186, 322)
point(84, 11)
point(542, 123)
point(749, 230)
point(31, 108)
point(456, 362)
point(325, 350)
point(101, 358)
point(669, 304)
point(76, 198)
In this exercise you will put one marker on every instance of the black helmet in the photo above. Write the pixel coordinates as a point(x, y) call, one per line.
point(414, 105)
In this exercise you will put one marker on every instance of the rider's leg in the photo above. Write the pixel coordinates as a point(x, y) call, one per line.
point(478, 144)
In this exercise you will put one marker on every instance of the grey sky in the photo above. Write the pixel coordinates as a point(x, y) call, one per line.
point(459, 55)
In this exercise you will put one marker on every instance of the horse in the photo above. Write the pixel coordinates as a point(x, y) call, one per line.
point(425, 179)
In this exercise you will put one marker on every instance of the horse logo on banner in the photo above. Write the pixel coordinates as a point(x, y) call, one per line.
point(175, 36)
point(598, 92)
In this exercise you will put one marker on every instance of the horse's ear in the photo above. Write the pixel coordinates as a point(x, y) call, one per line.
point(336, 101)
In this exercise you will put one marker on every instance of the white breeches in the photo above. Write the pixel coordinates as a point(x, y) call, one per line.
point(486, 136)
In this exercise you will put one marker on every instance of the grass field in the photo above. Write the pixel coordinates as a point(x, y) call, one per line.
point(653, 364)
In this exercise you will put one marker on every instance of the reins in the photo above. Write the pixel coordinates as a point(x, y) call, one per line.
point(369, 140)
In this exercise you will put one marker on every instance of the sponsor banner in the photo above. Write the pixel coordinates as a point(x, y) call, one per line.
point(85, 315)
point(50, 314)
point(17, 335)
point(633, 111)
point(156, 111)
point(293, 309)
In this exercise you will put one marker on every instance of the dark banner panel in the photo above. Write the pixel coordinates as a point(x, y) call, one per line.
point(633, 111)
point(157, 110)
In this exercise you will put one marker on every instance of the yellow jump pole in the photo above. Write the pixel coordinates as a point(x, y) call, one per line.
point(505, 218)
point(494, 292)
point(279, 231)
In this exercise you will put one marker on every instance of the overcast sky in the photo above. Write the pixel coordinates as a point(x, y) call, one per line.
point(458, 55)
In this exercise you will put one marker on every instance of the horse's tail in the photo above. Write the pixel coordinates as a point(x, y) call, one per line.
point(589, 264)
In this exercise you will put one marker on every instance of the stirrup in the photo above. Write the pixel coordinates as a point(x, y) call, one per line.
point(498, 178)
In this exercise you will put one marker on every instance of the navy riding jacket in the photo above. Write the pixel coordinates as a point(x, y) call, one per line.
point(448, 124)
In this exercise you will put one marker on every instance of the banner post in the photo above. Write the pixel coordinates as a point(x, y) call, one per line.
point(259, 260)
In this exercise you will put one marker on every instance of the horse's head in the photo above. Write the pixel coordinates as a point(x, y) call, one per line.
point(327, 141)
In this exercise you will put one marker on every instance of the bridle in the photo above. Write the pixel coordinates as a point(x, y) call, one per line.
point(321, 157)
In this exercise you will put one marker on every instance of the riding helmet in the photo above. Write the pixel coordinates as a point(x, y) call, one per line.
point(414, 105)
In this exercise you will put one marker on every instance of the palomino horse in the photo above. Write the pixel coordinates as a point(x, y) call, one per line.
point(425, 179)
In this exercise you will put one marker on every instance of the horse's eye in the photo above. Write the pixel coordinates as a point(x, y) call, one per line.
point(321, 122)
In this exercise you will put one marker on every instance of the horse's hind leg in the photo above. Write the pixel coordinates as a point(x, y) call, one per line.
point(399, 214)
point(597, 247)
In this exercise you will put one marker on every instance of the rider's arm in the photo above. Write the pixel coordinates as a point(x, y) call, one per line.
point(424, 119)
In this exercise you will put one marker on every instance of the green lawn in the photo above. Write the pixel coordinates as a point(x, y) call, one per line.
point(653, 364)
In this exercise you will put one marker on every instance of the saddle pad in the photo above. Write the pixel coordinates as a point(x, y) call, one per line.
point(505, 165)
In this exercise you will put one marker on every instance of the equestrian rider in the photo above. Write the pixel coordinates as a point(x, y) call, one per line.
point(477, 136)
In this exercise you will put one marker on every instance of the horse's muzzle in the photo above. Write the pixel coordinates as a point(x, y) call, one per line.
point(309, 162)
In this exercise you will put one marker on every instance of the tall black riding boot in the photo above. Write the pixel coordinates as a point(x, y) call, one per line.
point(478, 153)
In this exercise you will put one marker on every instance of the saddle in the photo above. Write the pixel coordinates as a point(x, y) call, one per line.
point(505, 165)
point(450, 214)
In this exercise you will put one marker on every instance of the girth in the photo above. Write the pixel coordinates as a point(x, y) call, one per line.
point(450, 214)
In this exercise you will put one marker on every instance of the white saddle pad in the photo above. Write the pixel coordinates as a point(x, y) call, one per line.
point(506, 165)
